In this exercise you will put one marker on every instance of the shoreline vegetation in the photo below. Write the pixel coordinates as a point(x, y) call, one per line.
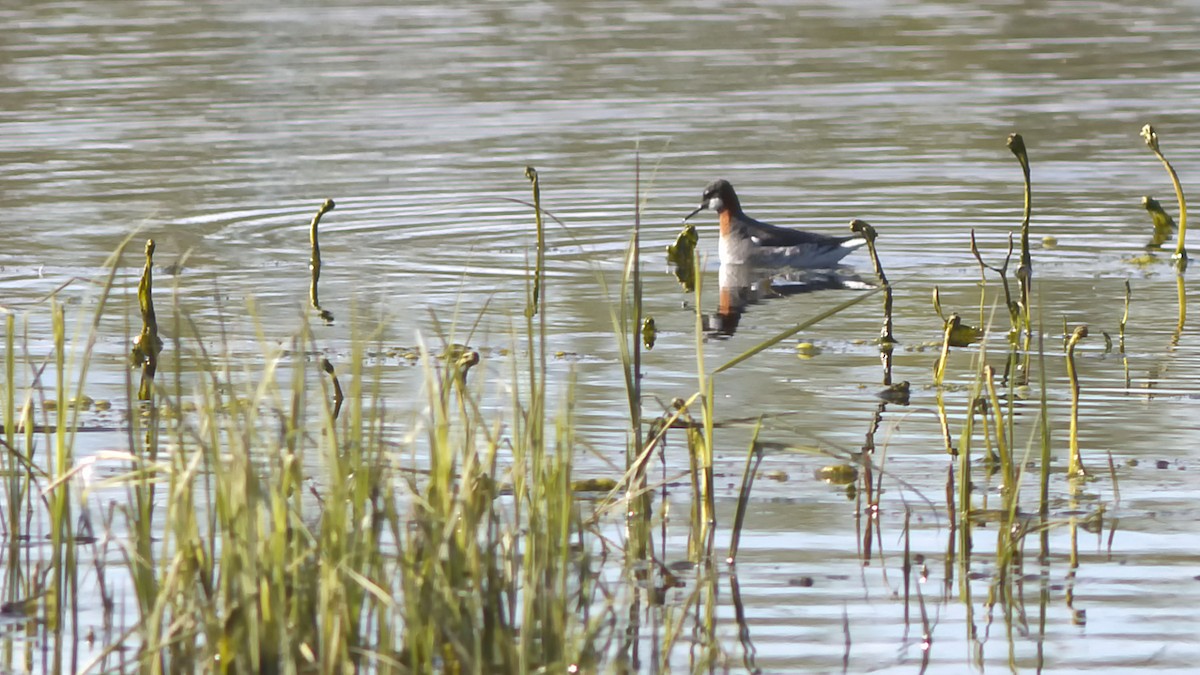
point(470, 546)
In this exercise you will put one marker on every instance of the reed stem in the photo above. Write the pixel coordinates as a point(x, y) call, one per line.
point(1151, 139)
point(1076, 463)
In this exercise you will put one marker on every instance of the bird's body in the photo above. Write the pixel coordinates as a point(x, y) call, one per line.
point(746, 241)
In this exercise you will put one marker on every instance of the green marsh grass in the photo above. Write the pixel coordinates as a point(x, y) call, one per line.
point(274, 523)
point(266, 534)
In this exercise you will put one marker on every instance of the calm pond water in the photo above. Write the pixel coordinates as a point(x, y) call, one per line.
point(218, 129)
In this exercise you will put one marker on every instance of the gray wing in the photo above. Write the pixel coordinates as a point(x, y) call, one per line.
point(765, 234)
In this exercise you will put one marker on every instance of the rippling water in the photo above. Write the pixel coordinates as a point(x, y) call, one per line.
point(219, 128)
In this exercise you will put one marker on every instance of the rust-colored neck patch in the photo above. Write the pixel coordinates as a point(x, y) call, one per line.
point(725, 225)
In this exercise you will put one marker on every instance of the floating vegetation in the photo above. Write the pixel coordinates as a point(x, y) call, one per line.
point(682, 256)
point(962, 335)
point(837, 474)
point(1144, 260)
point(594, 485)
point(807, 350)
point(898, 393)
point(1164, 224)
point(649, 333)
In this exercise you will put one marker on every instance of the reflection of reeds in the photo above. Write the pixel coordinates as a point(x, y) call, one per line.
point(753, 460)
point(1181, 295)
point(750, 653)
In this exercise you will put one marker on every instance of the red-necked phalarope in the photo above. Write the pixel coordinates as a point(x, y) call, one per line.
point(746, 241)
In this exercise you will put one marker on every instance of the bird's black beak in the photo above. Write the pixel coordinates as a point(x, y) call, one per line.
point(698, 210)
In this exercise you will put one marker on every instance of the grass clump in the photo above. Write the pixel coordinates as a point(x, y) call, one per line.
point(264, 532)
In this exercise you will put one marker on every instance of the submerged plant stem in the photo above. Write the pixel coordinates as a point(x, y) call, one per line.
point(1125, 316)
point(886, 338)
point(1151, 138)
point(1076, 462)
point(1002, 446)
point(314, 260)
point(540, 266)
point(148, 344)
point(1181, 293)
point(1025, 271)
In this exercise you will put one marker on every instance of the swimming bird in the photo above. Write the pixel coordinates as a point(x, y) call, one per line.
point(746, 241)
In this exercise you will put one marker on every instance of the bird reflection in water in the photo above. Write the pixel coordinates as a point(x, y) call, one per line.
point(745, 285)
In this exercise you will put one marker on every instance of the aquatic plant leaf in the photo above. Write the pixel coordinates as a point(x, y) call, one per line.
point(649, 332)
point(937, 303)
point(1164, 224)
point(837, 474)
point(1144, 260)
point(807, 350)
point(594, 485)
point(682, 254)
point(897, 393)
point(963, 335)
